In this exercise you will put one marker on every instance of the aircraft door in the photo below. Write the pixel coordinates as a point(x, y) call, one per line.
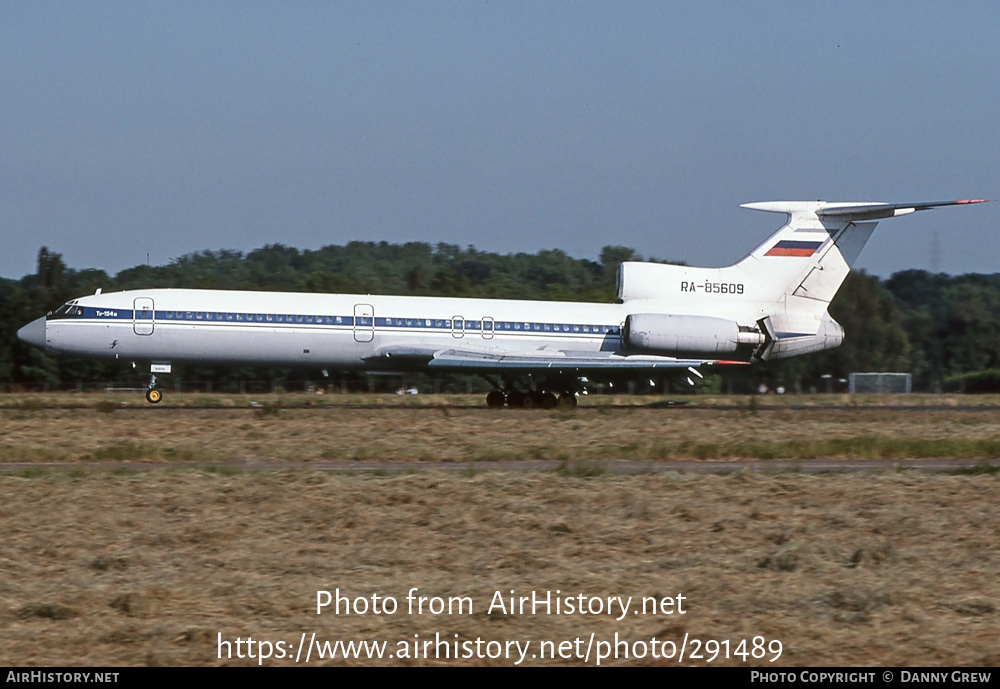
point(458, 327)
point(488, 326)
point(143, 317)
point(364, 322)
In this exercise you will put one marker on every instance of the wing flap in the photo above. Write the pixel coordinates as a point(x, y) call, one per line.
point(548, 360)
point(580, 365)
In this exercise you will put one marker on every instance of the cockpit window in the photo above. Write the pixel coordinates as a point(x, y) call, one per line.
point(68, 310)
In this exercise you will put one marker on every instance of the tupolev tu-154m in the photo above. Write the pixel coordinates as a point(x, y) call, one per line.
point(771, 305)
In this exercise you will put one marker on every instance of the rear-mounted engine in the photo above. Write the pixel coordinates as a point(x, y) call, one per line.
point(690, 336)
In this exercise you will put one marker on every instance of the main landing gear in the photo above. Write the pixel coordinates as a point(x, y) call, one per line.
point(506, 395)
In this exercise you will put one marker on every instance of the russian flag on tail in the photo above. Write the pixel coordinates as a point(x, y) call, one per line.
point(791, 247)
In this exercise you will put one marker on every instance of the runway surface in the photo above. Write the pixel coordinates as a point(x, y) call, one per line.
point(144, 407)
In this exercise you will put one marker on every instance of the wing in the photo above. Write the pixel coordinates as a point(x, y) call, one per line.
point(555, 361)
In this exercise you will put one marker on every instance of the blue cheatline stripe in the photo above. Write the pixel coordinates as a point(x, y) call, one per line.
point(166, 317)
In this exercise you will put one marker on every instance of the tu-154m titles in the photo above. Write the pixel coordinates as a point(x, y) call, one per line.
point(770, 305)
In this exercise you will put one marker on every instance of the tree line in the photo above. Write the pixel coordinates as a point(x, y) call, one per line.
point(943, 329)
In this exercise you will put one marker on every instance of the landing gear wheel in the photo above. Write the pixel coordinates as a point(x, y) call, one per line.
point(567, 401)
point(549, 400)
point(153, 396)
point(495, 399)
point(529, 401)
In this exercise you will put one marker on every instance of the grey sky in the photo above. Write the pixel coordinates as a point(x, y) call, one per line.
point(173, 127)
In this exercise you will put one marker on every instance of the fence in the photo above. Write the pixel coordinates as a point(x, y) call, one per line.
point(866, 383)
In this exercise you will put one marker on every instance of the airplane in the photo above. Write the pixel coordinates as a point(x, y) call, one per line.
point(770, 305)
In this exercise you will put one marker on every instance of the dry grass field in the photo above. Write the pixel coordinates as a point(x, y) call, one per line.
point(206, 429)
point(117, 566)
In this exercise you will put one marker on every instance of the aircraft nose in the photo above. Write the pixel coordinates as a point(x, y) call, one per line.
point(33, 333)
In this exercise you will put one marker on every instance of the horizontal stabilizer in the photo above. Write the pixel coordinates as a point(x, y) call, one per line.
point(874, 211)
point(852, 211)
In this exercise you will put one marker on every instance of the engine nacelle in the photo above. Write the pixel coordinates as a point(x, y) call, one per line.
point(697, 336)
point(636, 280)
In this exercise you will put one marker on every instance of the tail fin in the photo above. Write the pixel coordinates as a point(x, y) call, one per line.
point(808, 257)
point(811, 255)
point(783, 287)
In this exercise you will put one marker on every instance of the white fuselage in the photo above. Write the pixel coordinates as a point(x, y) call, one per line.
point(319, 330)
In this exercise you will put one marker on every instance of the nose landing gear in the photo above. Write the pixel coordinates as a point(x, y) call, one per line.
point(153, 394)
